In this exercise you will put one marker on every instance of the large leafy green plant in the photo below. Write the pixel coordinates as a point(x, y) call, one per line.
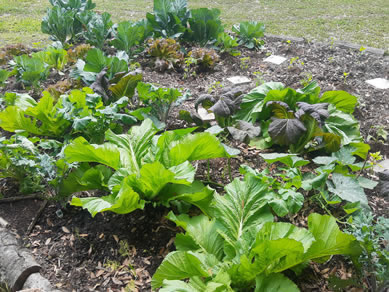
point(146, 168)
point(302, 120)
point(169, 18)
point(98, 28)
point(205, 26)
point(30, 70)
point(239, 247)
point(127, 36)
point(160, 100)
point(53, 57)
point(25, 161)
point(79, 112)
point(65, 19)
point(250, 33)
point(4, 74)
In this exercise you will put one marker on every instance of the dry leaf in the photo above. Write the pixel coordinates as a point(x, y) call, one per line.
point(116, 238)
point(99, 273)
point(48, 241)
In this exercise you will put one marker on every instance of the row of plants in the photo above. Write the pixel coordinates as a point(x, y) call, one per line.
point(110, 138)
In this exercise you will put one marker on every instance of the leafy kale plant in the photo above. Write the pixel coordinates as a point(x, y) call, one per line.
point(127, 36)
point(30, 70)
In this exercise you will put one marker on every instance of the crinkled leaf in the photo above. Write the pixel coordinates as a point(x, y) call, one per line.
point(347, 188)
point(286, 131)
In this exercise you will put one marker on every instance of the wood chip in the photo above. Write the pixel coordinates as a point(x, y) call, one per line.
point(64, 229)
point(47, 241)
point(116, 238)
point(116, 281)
point(99, 273)
point(101, 235)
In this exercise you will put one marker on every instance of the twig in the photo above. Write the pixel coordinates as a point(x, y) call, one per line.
point(35, 219)
point(363, 166)
point(20, 198)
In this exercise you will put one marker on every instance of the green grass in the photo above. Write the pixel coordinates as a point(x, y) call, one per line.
point(364, 22)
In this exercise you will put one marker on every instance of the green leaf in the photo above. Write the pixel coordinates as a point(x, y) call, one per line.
point(179, 265)
point(202, 231)
point(291, 160)
point(196, 194)
point(342, 100)
point(287, 202)
point(329, 240)
point(152, 178)
point(199, 146)
point(128, 36)
point(347, 188)
point(242, 208)
point(81, 151)
point(275, 283)
point(124, 201)
point(95, 61)
point(126, 86)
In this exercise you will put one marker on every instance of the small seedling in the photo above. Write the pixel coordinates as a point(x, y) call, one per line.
point(345, 75)
point(288, 42)
point(244, 63)
point(362, 48)
point(214, 86)
point(307, 78)
point(258, 78)
point(295, 61)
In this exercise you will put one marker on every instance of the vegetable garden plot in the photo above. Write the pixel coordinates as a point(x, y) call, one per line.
point(272, 186)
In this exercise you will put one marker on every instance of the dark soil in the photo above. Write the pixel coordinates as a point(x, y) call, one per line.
point(121, 252)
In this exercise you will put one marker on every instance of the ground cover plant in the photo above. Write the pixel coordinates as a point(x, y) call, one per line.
point(270, 185)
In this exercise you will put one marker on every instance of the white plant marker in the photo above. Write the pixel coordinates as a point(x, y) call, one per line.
point(381, 166)
point(239, 80)
point(278, 60)
point(379, 83)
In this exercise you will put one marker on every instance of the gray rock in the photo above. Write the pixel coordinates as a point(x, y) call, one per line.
point(39, 283)
point(383, 186)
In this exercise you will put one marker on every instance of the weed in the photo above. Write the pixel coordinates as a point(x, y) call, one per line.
point(215, 86)
point(345, 75)
point(244, 63)
point(258, 78)
point(307, 78)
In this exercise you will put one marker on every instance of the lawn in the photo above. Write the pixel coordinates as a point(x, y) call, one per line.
point(363, 22)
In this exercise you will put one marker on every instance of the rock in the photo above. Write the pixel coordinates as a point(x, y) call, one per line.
point(278, 60)
point(379, 83)
point(383, 185)
point(239, 80)
point(381, 166)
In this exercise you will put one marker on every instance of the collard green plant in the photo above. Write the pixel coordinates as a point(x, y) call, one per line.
point(160, 100)
point(204, 26)
point(30, 70)
point(250, 34)
point(169, 18)
point(59, 24)
point(146, 167)
point(240, 248)
point(98, 28)
point(127, 36)
point(65, 19)
point(53, 57)
point(227, 44)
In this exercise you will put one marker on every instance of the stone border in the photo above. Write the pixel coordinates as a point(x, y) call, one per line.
point(18, 267)
point(340, 44)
